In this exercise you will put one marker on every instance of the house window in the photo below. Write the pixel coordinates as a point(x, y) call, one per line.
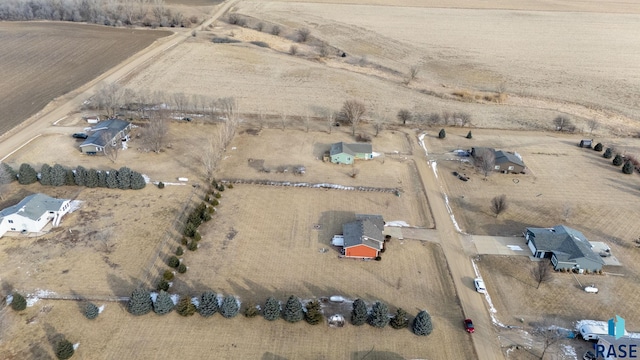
point(497, 167)
point(510, 167)
point(13, 229)
point(51, 212)
point(10, 221)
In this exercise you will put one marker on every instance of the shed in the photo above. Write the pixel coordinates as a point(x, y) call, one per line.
point(92, 119)
point(508, 162)
point(343, 153)
point(586, 143)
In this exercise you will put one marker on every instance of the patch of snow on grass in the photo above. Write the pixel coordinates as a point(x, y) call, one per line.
point(434, 167)
point(453, 218)
point(514, 247)
point(100, 309)
point(32, 299)
point(421, 141)
point(568, 350)
point(397, 223)
point(9, 299)
point(195, 301)
point(74, 205)
point(146, 178)
point(75, 346)
point(175, 298)
point(375, 154)
point(492, 310)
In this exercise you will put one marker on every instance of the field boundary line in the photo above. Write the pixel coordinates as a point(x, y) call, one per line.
point(331, 186)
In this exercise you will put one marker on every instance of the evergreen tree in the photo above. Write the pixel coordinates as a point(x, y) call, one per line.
point(112, 179)
point(58, 175)
point(179, 251)
point(628, 167)
point(91, 179)
point(422, 324)
point(69, 178)
point(174, 262)
point(598, 147)
point(163, 304)
point(182, 268)
point(185, 307)
point(617, 160)
point(124, 178)
point(442, 134)
point(359, 313)
point(168, 275)
point(313, 315)
point(91, 311)
point(80, 175)
point(163, 284)
point(64, 349)
point(27, 175)
point(379, 316)
point(12, 176)
point(45, 175)
point(400, 320)
point(18, 303)
point(140, 302)
point(608, 154)
point(271, 309)
point(229, 307)
point(208, 304)
point(137, 181)
point(469, 136)
point(292, 311)
point(102, 179)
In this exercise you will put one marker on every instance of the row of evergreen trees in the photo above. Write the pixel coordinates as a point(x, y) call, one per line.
point(627, 164)
point(58, 175)
point(292, 311)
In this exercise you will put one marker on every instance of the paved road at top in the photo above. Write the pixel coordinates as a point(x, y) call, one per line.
point(71, 102)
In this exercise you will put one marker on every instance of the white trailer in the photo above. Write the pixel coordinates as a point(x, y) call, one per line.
point(593, 329)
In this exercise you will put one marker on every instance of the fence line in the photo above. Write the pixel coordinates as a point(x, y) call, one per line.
point(311, 185)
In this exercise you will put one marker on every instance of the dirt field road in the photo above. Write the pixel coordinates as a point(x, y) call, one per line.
point(60, 108)
point(462, 272)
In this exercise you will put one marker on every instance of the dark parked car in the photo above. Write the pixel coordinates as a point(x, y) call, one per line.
point(80, 136)
point(468, 325)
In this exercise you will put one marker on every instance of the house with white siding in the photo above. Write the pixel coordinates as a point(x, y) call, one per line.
point(32, 214)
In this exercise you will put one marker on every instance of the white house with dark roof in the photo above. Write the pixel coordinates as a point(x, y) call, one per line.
point(110, 131)
point(566, 247)
point(33, 213)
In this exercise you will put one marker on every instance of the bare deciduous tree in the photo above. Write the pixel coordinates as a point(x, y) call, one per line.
point(293, 49)
point(462, 118)
point(112, 146)
point(549, 334)
point(262, 118)
point(180, 101)
point(331, 119)
point(307, 121)
point(566, 212)
point(412, 74)
point(562, 123)
point(593, 124)
point(404, 115)
point(110, 97)
point(283, 120)
point(303, 34)
point(106, 240)
point(209, 156)
point(156, 133)
point(353, 111)
point(434, 119)
point(485, 160)
point(378, 122)
point(541, 273)
point(499, 204)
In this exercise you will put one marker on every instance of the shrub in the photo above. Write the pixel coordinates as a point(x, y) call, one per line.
point(168, 275)
point(303, 34)
point(399, 321)
point(91, 311)
point(197, 236)
point(378, 258)
point(598, 147)
point(11, 174)
point(292, 311)
point(18, 303)
point(260, 43)
point(313, 315)
point(184, 241)
point(422, 324)
point(293, 49)
point(251, 311)
point(140, 302)
point(193, 245)
point(182, 268)
point(442, 134)
point(190, 229)
point(163, 304)
point(230, 186)
point(628, 167)
point(469, 135)
point(221, 187)
point(69, 178)
point(608, 154)
point(45, 175)
point(229, 307)
point(275, 30)
point(163, 284)
point(27, 175)
point(271, 309)
point(179, 250)
point(224, 40)
point(379, 316)
point(208, 304)
point(617, 160)
point(217, 195)
point(160, 185)
point(173, 262)
point(260, 26)
point(64, 349)
point(214, 183)
point(185, 307)
point(359, 313)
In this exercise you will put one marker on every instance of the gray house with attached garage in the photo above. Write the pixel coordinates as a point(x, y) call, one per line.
point(566, 247)
point(343, 153)
point(108, 132)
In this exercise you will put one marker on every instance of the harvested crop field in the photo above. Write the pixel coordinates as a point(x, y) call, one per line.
point(41, 61)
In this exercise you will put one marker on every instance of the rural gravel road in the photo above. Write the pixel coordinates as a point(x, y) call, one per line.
point(58, 109)
point(454, 245)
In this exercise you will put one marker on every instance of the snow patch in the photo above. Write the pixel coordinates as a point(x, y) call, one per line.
point(397, 223)
point(170, 183)
point(32, 299)
point(101, 309)
point(514, 247)
point(492, 309)
point(195, 301)
point(9, 299)
point(453, 218)
point(154, 296)
point(421, 141)
point(74, 205)
point(375, 154)
point(175, 298)
point(75, 346)
point(434, 167)
point(146, 178)
point(568, 350)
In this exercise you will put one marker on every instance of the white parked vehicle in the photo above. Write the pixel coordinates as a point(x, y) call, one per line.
point(591, 289)
point(479, 283)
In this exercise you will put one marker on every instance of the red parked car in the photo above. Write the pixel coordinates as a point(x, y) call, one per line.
point(468, 325)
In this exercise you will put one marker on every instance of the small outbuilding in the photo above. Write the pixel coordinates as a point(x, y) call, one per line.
point(586, 143)
point(343, 153)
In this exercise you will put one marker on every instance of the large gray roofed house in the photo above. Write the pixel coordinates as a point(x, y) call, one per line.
point(566, 244)
point(33, 206)
point(109, 127)
point(362, 232)
point(506, 157)
point(352, 149)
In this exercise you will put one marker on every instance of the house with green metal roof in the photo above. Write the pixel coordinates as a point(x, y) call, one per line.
point(343, 153)
point(32, 214)
point(566, 247)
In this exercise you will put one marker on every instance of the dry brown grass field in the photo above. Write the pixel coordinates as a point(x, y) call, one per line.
point(44, 60)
